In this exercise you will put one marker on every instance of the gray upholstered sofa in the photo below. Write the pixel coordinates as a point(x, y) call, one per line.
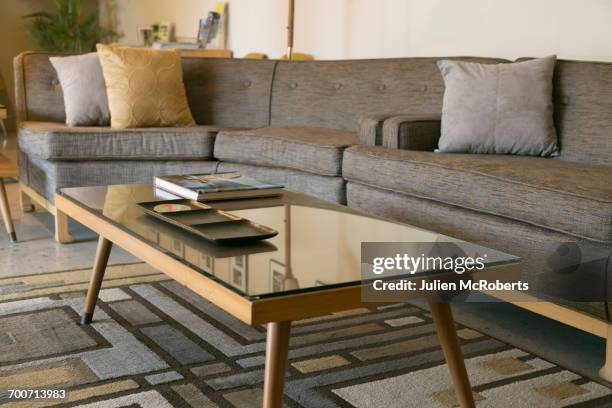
point(362, 133)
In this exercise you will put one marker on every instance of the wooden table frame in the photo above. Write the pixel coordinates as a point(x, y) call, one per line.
point(3, 115)
point(7, 169)
point(276, 312)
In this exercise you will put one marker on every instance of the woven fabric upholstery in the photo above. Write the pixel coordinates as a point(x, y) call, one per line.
point(371, 129)
point(314, 150)
point(498, 108)
point(583, 101)
point(56, 141)
point(536, 246)
point(38, 93)
point(221, 92)
point(412, 132)
point(84, 89)
point(46, 177)
point(569, 197)
point(336, 94)
point(323, 187)
point(229, 92)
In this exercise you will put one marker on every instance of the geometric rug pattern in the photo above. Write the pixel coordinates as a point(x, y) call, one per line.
point(154, 343)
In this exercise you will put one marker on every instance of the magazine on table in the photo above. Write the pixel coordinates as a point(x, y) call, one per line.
point(216, 186)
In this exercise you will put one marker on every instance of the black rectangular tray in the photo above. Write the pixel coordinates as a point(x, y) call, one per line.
point(202, 220)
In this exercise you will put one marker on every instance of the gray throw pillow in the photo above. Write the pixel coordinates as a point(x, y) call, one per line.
point(498, 108)
point(84, 89)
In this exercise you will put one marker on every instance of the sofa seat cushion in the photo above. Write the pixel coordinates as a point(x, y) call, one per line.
point(315, 150)
point(46, 177)
point(56, 141)
point(323, 187)
point(568, 197)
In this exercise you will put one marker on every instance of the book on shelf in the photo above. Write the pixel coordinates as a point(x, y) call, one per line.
point(175, 46)
point(216, 186)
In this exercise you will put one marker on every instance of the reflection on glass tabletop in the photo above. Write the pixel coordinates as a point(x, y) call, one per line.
point(318, 243)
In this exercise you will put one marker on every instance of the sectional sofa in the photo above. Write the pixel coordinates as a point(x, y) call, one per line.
point(362, 133)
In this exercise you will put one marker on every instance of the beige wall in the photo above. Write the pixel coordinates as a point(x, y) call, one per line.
point(14, 40)
point(498, 28)
point(332, 29)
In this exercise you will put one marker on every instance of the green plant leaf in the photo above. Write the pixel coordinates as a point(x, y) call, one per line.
point(67, 30)
point(40, 14)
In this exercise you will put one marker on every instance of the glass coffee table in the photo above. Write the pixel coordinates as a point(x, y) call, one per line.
point(313, 266)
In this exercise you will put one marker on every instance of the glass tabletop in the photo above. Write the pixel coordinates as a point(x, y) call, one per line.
point(318, 245)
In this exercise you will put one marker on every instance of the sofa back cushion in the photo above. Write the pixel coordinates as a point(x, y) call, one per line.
point(38, 93)
point(229, 92)
point(337, 94)
point(583, 111)
point(225, 92)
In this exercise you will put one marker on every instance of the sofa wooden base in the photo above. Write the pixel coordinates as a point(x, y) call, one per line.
point(571, 318)
point(606, 370)
point(579, 321)
point(28, 195)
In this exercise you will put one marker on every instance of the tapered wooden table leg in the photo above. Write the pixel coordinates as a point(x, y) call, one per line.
point(277, 347)
point(445, 326)
point(6, 213)
point(102, 253)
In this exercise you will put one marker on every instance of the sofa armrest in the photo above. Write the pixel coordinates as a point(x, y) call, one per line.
point(412, 132)
point(371, 128)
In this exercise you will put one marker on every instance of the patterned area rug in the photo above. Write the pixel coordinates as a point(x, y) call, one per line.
point(156, 344)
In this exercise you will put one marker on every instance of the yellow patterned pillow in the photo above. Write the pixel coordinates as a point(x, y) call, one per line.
point(145, 87)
